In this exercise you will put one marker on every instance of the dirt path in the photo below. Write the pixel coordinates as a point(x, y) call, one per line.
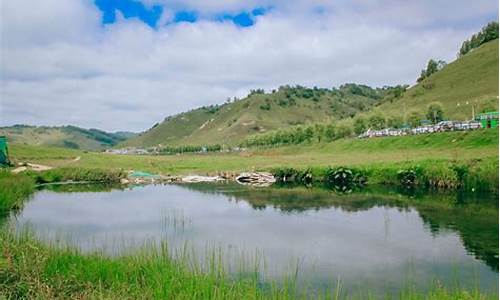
point(30, 166)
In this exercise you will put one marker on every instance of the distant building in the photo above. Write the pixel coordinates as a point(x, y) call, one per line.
point(488, 120)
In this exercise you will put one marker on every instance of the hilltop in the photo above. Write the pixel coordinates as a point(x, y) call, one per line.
point(64, 136)
point(471, 80)
point(261, 112)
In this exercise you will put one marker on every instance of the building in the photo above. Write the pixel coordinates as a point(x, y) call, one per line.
point(488, 119)
point(4, 152)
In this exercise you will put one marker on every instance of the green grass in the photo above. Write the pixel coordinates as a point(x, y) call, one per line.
point(31, 269)
point(478, 150)
point(14, 189)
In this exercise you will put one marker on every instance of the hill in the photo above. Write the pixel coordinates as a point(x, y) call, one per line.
point(470, 81)
point(260, 112)
point(64, 136)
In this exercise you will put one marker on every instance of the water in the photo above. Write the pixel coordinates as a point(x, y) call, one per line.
point(377, 240)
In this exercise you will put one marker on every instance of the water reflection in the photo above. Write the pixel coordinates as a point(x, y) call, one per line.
point(375, 238)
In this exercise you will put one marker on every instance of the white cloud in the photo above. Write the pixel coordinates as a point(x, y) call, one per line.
point(59, 65)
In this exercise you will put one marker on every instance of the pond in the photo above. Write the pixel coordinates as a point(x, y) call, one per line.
point(375, 240)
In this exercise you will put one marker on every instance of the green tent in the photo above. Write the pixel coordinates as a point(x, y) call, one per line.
point(4, 152)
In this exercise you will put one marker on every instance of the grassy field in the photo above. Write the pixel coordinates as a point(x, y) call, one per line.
point(451, 146)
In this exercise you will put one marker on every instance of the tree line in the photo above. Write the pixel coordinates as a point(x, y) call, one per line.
point(327, 132)
point(487, 33)
point(190, 149)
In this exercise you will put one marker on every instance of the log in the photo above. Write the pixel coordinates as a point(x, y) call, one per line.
point(256, 179)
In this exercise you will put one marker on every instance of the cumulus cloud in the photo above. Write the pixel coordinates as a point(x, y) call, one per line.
point(61, 65)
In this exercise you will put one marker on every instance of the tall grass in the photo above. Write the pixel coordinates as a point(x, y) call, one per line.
point(14, 188)
point(30, 269)
point(77, 174)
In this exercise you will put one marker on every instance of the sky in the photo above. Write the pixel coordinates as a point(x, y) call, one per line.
point(127, 64)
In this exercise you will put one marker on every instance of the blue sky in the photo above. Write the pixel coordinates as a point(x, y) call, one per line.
point(151, 15)
point(127, 64)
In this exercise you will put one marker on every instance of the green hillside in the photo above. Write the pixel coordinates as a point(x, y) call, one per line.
point(469, 83)
point(471, 80)
point(64, 136)
point(260, 112)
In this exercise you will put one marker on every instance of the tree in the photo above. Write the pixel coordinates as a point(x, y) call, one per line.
point(395, 122)
point(319, 131)
point(432, 67)
point(487, 33)
point(330, 132)
point(308, 133)
point(376, 122)
point(435, 112)
point(343, 131)
point(359, 125)
point(414, 118)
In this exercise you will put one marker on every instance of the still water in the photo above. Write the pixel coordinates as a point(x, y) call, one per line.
point(377, 240)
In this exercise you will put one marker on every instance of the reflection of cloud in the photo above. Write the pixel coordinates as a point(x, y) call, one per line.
point(57, 58)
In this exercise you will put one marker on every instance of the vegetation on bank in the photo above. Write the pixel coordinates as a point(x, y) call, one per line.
point(77, 174)
point(475, 175)
point(55, 273)
point(15, 188)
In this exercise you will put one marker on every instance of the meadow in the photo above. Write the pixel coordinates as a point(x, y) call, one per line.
point(440, 155)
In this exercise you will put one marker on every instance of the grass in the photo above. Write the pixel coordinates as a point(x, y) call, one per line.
point(380, 157)
point(14, 189)
point(31, 269)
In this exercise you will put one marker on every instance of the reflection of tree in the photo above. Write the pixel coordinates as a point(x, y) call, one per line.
point(477, 228)
point(474, 217)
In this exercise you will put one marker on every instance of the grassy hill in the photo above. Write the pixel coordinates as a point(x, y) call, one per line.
point(471, 80)
point(260, 112)
point(64, 136)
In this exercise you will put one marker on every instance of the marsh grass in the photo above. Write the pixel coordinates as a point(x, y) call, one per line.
point(176, 220)
point(76, 174)
point(31, 269)
point(14, 189)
